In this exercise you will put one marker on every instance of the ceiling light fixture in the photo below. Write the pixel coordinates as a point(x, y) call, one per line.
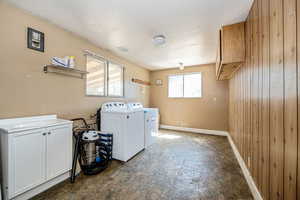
point(159, 40)
point(181, 66)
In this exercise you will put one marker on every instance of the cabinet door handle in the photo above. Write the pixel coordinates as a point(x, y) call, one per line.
point(49, 133)
point(44, 134)
point(127, 117)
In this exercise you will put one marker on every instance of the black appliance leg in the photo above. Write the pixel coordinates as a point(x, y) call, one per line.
point(75, 157)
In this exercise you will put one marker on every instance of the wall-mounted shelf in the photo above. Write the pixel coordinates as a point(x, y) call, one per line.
point(65, 71)
point(134, 80)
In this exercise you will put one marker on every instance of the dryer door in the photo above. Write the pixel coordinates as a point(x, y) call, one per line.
point(148, 129)
point(153, 130)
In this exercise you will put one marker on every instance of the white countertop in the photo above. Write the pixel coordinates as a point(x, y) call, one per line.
point(28, 123)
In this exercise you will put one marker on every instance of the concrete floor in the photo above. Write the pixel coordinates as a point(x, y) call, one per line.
point(179, 166)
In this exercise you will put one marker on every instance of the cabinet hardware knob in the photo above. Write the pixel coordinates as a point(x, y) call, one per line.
point(44, 134)
point(127, 117)
point(49, 133)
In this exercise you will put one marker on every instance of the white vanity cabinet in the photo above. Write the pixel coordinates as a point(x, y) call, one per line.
point(36, 154)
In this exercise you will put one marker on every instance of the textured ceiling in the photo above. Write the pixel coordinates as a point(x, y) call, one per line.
point(191, 26)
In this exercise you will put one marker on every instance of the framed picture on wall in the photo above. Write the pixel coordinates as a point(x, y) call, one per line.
point(35, 40)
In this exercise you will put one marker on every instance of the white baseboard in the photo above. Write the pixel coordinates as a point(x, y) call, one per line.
point(255, 192)
point(194, 130)
point(41, 188)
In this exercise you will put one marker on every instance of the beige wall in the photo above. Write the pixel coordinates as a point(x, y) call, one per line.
point(208, 112)
point(25, 90)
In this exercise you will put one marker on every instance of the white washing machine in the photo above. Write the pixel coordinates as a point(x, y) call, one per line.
point(151, 117)
point(151, 125)
point(126, 123)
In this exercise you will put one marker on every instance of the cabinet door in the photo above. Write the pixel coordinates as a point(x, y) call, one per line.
point(27, 160)
point(219, 54)
point(59, 150)
point(233, 43)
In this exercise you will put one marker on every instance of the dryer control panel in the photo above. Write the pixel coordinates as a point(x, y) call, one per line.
point(135, 106)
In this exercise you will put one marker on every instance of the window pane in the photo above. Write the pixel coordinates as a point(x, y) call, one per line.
point(95, 80)
point(115, 80)
point(192, 85)
point(176, 86)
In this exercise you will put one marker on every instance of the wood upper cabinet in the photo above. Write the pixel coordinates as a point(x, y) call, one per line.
point(231, 50)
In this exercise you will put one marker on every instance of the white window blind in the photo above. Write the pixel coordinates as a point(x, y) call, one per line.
point(192, 85)
point(95, 80)
point(115, 80)
point(104, 78)
point(176, 86)
point(185, 86)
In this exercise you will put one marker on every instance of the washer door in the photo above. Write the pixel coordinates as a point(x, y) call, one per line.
point(135, 134)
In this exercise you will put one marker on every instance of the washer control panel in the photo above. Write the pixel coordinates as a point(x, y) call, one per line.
point(114, 107)
point(121, 107)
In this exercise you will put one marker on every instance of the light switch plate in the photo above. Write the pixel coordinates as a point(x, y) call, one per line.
point(158, 82)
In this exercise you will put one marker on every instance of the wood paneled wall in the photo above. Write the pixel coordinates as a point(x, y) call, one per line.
point(264, 99)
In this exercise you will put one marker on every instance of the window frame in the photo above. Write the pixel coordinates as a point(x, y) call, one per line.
point(183, 74)
point(106, 61)
point(107, 80)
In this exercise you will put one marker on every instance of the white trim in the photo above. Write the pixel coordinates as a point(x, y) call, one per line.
point(41, 188)
point(194, 130)
point(255, 192)
point(249, 179)
point(90, 53)
point(27, 119)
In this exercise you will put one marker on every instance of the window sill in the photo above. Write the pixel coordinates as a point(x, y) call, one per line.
point(185, 97)
point(88, 95)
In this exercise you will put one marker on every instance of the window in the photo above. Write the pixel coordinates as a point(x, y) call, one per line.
point(185, 86)
point(115, 80)
point(176, 86)
point(104, 78)
point(95, 79)
point(192, 85)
